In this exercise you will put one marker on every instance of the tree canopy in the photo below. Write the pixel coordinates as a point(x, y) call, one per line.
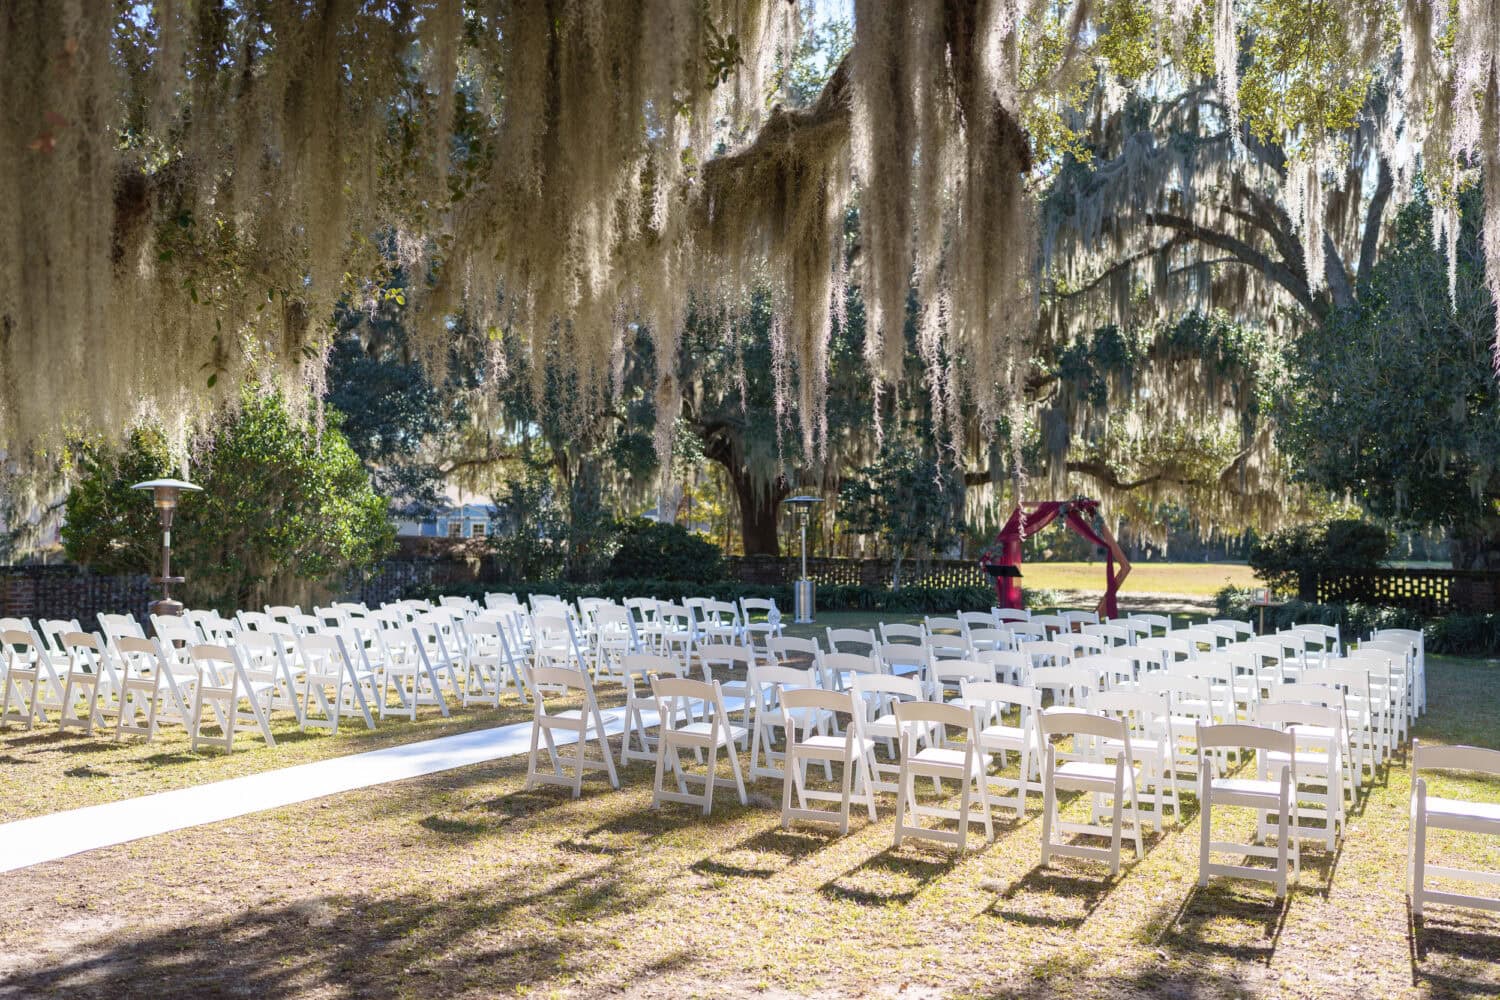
point(192, 187)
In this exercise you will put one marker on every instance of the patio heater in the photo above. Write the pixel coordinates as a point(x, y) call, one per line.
point(802, 590)
point(166, 492)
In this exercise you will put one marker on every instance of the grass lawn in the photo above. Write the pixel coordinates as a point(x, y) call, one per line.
point(465, 884)
point(1194, 579)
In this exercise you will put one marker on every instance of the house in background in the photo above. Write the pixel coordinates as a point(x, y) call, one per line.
point(475, 518)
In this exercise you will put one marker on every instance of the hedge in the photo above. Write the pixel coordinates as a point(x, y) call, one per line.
point(844, 597)
point(1456, 634)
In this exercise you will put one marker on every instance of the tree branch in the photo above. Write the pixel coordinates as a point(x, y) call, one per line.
point(1277, 271)
point(1370, 240)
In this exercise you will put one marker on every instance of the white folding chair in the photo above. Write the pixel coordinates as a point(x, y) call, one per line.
point(851, 751)
point(839, 669)
point(904, 659)
point(899, 633)
point(409, 673)
point(636, 671)
point(584, 725)
point(1069, 686)
point(1242, 630)
point(852, 640)
point(24, 659)
point(1274, 795)
point(1319, 732)
point(1432, 812)
point(1147, 717)
point(794, 651)
point(940, 760)
point(997, 737)
point(692, 717)
point(716, 659)
point(947, 677)
point(89, 679)
point(1112, 634)
point(767, 627)
point(1153, 622)
point(878, 693)
point(236, 701)
point(1102, 764)
point(333, 682)
point(769, 715)
point(144, 667)
point(1418, 643)
point(1011, 665)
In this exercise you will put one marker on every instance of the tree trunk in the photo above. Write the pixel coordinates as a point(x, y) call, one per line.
point(760, 514)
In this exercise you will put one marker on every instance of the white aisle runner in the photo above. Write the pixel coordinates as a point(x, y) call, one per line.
point(32, 841)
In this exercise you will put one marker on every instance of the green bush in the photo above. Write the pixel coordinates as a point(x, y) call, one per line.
point(282, 516)
point(1291, 560)
point(1456, 634)
point(907, 600)
point(651, 551)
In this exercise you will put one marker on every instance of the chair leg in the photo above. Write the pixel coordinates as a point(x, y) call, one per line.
point(846, 790)
point(903, 782)
point(1049, 801)
point(1116, 817)
point(786, 796)
point(661, 770)
point(1205, 810)
point(709, 779)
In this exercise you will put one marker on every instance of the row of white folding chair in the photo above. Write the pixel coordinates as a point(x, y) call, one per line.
point(1404, 653)
point(1417, 647)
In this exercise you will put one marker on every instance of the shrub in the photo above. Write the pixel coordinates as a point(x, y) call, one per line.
point(1291, 560)
point(667, 552)
point(282, 516)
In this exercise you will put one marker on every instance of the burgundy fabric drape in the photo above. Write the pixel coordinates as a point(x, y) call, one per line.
point(1008, 588)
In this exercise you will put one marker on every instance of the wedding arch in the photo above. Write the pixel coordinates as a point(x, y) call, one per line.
point(1081, 515)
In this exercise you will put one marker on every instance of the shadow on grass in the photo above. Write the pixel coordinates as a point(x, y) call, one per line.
point(1053, 884)
point(1451, 956)
point(169, 757)
point(1226, 919)
point(889, 877)
point(622, 835)
point(767, 853)
point(355, 945)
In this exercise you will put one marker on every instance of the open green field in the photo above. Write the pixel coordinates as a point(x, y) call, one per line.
point(1194, 579)
point(466, 884)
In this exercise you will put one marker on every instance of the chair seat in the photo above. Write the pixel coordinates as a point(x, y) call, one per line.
point(1086, 769)
point(804, 717)
point(1248, 788)
point(833, 744)
point(1311, 732)
point(1486, 812)
point(884, 728)
point(1007, 736)
point(705, 733)
point(943, 757)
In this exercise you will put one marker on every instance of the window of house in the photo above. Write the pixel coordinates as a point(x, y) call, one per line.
point(479, 529)
point(455, 529)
